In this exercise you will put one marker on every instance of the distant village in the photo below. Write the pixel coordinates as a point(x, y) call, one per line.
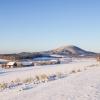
point(13, 62)
point(16, 64)
point(57, 56)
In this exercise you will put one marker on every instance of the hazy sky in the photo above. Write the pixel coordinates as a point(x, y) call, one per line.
point(34, 25)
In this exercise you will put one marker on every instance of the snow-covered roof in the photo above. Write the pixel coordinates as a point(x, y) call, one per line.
point(54, 55)
point(11, 63)
point(26, 63)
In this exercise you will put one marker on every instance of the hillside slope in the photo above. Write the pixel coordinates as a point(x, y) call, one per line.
point(67, 51)
point(72, 50)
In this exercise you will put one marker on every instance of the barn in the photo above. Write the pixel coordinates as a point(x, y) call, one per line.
point(11, 65)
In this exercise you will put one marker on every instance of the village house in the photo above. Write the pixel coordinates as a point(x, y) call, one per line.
point(46, 62)
point(9, 65)
point(14, 64)
point(27, 63)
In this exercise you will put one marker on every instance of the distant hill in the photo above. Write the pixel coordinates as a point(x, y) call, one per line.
point(72, 51)
point(68, 51)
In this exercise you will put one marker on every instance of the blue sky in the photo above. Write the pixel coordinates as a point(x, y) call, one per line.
point(36, 25)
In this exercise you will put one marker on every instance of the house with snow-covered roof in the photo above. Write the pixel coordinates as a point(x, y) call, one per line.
point(11, 65)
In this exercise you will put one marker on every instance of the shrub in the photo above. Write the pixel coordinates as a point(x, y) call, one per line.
point(73, 71)
point(28, 80)
point(37, 77)
point(3, 86)
point(78, 70)
point(17, 80)
point(59, 74)
point(41, 78)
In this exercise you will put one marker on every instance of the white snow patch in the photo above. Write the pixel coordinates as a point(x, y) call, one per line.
point(83, 85)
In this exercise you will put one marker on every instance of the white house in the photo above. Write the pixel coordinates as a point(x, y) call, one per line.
point(11, 64)
point(26, 63)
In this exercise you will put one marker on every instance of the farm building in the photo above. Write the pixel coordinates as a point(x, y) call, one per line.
point(27, 63)
point(11, 64)
point(17, 64)
point(47, 62)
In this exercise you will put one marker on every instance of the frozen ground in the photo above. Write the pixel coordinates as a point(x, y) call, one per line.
point(84, 85)
point(20, 73)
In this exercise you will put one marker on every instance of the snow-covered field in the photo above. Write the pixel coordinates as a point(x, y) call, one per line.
point(81, 82)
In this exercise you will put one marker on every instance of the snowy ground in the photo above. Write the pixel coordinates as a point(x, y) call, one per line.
point(21, 73)
point(84, 85)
